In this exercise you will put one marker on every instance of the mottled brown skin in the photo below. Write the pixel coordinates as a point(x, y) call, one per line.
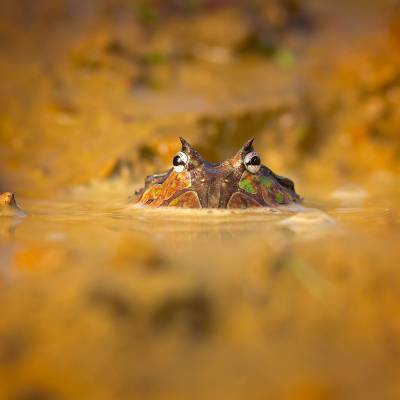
point(227, 184)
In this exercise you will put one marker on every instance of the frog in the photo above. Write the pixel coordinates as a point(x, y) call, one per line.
point(241, 182)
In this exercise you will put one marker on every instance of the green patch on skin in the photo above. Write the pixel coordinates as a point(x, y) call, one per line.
point(266, 182)
point(247, 186)
point(175, 202)
point(157, 192)
point(279, 198)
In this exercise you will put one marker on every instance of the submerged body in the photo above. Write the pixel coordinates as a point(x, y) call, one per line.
point(240, 182)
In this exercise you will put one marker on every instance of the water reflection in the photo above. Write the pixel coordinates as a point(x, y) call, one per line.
point(8, 226)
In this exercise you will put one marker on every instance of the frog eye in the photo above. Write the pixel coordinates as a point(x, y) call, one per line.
point(180, 162)
point(252, 162)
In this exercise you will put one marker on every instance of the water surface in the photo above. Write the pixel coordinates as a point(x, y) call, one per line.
point(103, 298)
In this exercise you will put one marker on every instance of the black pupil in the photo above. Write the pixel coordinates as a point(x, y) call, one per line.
point(178, 161)
point(255, 160)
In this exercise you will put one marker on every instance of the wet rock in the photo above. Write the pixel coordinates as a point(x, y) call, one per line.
point(9, 207)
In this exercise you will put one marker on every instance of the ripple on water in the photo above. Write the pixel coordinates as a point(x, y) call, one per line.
point(310, 221)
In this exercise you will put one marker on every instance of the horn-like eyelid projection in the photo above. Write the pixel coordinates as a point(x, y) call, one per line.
point(240, 182)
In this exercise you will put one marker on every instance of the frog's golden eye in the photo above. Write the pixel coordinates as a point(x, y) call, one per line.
point(180, 162)
point(252, 162)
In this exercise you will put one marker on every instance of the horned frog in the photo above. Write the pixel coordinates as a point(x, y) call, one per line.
point(240, 182)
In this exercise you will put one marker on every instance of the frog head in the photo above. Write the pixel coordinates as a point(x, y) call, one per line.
point(239, 182)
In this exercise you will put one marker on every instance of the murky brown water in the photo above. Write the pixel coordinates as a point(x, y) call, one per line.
point(103, 300)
